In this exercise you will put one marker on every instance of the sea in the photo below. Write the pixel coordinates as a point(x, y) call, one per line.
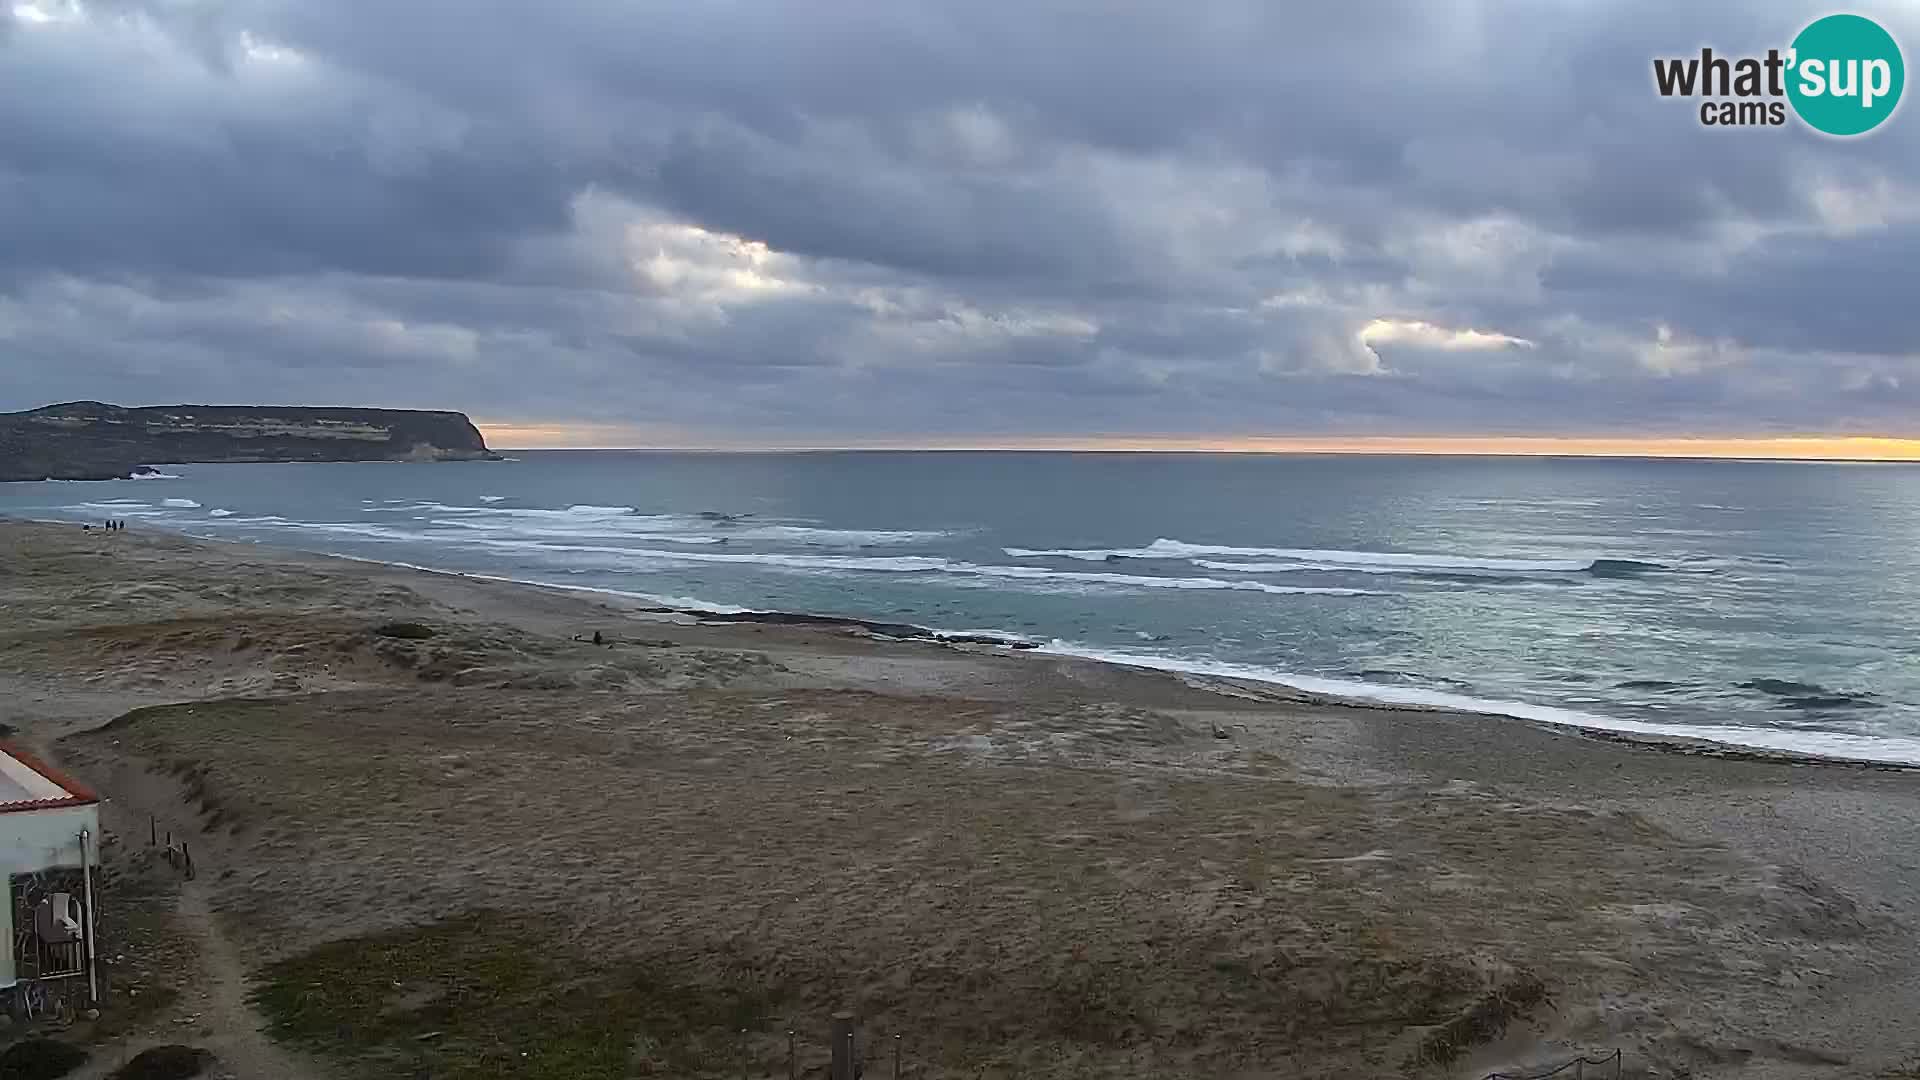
point(1770, 605)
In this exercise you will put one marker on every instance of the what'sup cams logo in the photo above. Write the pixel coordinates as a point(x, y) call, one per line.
point(1842, 75)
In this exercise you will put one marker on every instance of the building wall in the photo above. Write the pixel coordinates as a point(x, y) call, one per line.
point(33, 840)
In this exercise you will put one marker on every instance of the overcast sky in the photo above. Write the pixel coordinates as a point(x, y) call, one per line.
point(719, 222)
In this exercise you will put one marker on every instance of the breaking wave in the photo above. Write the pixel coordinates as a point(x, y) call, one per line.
point(590, 521)
point(1333, 559)
point(1838, 745)
point(929, 564)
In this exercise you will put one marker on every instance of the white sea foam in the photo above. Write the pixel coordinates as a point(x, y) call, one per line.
point(155, 476)
point(1826, 744)
point(585, 521)
point(679, 602)
point(118, 508)
point(536, 531)
point(339, 528)
point(180, 504)
point(918, 564)
point(492, 498)
point(1288, 567)
point(220, 513)
point(1312, 558)
point(1007, 636)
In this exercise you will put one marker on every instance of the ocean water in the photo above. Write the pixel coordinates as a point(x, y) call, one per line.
point(1764, 604)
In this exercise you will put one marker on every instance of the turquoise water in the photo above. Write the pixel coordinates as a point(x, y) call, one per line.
point(1768, 604)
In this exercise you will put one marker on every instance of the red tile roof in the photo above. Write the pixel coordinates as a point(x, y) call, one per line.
point(77, 793)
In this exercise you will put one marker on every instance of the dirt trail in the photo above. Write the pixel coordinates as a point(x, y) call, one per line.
point(213, 1012)
point(244, 1051)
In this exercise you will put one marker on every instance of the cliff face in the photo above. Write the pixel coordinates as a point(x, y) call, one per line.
point(87, 440)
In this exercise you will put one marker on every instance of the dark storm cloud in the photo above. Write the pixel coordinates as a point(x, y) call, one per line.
point(937, 218)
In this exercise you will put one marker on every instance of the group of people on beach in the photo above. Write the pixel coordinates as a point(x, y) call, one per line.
point(112, 525)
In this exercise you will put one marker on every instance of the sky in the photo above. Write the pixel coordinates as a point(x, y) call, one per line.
point(968, 223)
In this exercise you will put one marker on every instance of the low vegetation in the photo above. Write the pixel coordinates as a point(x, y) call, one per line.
point(40, 1059)
point(486, 995)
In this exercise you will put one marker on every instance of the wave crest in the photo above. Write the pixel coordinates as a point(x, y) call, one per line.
point(1336, 559)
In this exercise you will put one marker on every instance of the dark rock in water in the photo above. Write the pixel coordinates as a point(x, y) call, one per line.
point(172, 1062)
point(1646, 684)
point(987, 639)
point(1804, 695)
point(1623, 567)
point(408, 631)
point(88, 440)
point(40, 1059)
point(1828, 701)
point(1782, 687)
point(720, 518)
point(886, 629)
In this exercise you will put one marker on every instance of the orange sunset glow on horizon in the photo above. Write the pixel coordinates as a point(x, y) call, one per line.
point(590, 436)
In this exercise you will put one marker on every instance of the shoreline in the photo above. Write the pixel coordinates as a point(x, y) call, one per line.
point(1304, 689)
point(1724, 742)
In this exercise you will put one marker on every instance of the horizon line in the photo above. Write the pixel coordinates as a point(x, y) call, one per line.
point(1863, 448)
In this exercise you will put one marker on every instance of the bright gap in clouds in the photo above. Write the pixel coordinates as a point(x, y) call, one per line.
point(1429, 336)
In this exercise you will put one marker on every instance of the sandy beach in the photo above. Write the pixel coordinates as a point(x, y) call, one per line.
point(438, 833)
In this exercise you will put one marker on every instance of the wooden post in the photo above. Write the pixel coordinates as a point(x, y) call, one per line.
point(793, 1063)
point(1580, 1068)
point(896, 1057)
point(842, 1046)
point(86, 873)
point(153, 830)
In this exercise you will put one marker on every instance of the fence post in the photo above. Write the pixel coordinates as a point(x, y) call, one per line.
point(793, 1064)
point(842, 1046)
point(1580, 1068)
point(896, 1057)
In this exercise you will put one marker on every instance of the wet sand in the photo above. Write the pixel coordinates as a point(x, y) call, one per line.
point(1029, 865)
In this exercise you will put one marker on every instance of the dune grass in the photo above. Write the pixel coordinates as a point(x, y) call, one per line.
point(488, 996)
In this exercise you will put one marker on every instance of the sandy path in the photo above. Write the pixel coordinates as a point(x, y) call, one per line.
point(213, 1011)
point(244, 1051)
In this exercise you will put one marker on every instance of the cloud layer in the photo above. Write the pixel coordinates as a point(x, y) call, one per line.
point(762, 221)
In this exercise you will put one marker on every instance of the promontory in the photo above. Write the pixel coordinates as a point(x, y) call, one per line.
point(88, 440)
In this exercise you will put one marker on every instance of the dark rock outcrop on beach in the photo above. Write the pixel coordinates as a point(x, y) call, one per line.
point(86, 440)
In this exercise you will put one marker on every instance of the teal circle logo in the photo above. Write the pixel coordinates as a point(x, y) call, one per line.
point(1846, 74)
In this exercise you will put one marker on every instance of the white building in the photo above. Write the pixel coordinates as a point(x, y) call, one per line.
point(49, 850)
